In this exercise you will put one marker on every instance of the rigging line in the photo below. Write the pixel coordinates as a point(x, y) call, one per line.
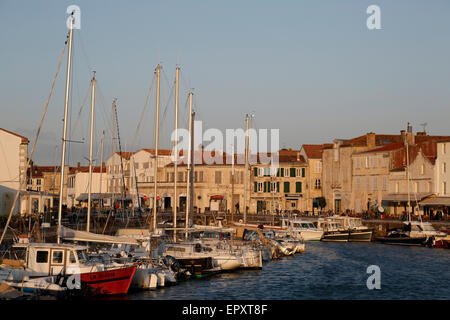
point(183, 79)
point(84, 52)
point(102, 105)
point(74, 127)
point(168, 101)
point(143, 111)
point(23, 182)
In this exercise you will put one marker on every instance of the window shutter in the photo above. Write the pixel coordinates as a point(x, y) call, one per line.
point(255, 186)
point(255, 171)
point(286, 187)
point(292, 173)
point(298, 187)
point(303, 172)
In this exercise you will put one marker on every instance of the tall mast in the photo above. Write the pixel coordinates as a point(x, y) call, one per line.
point(155, 172)
point(232, 183)
point(191, 175)
point(175, 173)
point(63, 149)
point(246, 168)
point(407, 174)
point(101, 161)
point(90, 153)
point(188, 173)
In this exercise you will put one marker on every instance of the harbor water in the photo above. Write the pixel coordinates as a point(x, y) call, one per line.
point(326, 271)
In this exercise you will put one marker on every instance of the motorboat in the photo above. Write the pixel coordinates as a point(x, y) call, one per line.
point(413, 233)
point(71, 266)
point(357, 232)
point(308, 231)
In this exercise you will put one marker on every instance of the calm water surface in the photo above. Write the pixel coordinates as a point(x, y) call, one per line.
point(326, 271)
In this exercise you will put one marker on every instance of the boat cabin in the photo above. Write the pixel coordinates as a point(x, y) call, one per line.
point(45, 259)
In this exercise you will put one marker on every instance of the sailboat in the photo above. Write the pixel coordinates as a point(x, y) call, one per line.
point(63, 262)
point(411, 234)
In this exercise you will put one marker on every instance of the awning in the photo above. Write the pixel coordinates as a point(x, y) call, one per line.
point(76, 235)
point(94, 196)
point(436, 201)
point(217, 197)
point(403, 197)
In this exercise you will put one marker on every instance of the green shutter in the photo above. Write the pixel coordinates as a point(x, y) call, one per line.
point(265, 186)
point(255, 172)
point(278, 187)
point(303, 172)
point(278, 172)
point(256, 186)
point(292, 172)
point(282, 172)
point(298, 187)
point(286, 187)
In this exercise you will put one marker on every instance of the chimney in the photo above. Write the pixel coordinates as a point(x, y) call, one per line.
point(403, 134)
point(78, 164)
point(298, 155)
point(410, 135)
point(370, 139)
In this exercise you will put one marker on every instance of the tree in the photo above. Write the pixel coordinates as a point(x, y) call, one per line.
point(321, 202)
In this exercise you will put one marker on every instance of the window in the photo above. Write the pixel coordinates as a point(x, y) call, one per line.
point(286, 187)
point(444, 187)
point(317, 184)
point(72, 258)
point(303, 172)
point(180, 176)
point(444, 148)
point(57, 256)
point(201, 176)
point(286, 172)
point(375, 162)
point(292, 172)
point(336, 155)
point(384, 183)
point(444, 167)
point(255, 188)
point(357, 163)
point(218, 177)
point(397, 187)
point(367, 183)
point(42, 257)
point(358, 183)
point(384, 161)
point(416, 187)
point(375, 183)
point(298, 187)
point(145, 165)
point(318, 167)
point(255, 172)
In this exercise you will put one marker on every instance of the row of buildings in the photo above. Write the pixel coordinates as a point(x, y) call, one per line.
point(369, 172)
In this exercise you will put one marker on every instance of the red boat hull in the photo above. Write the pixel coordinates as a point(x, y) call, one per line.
point(116, 281)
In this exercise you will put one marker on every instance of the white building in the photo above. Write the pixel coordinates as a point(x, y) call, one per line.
point(78, 184)
point(13, 159)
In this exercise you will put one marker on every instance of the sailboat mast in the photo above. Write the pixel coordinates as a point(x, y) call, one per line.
point(232, 182)
point(407, 177)
point(101, 161)
point(63, 149)
point(175, 173)
point(246, 168)
point(90, 154)
point(188, 173)
point(191, 175)
point(155, 171)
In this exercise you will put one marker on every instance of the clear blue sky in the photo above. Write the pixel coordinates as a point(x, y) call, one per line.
point(310, 68)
